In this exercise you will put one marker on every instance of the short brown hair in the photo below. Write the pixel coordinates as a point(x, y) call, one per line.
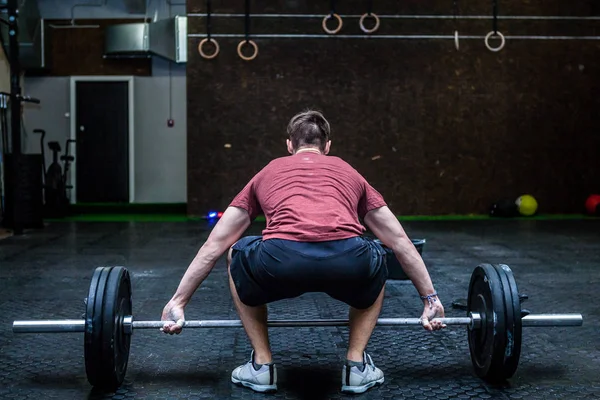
point(309, 128)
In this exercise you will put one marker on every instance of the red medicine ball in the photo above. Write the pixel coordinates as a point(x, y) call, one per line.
point(592, 204)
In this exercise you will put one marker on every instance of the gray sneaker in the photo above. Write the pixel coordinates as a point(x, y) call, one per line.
point(356, 381)
point(262, 380)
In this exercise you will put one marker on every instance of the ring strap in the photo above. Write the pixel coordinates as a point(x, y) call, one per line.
point(208, 12)
point(247, 20)
point(495, 13)
point(362, 22)
point(201, 48)
point(240, 47)
point(455, 10)
point(497, 35)
point(337, 28)
point(208, 38)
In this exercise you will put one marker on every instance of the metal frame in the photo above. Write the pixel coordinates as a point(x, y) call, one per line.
point(131, 111)
point(392, 16)
point(418, 37)
point(404, 17)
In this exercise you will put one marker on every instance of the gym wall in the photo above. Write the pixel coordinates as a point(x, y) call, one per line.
point(159, 161)
point(435, 130)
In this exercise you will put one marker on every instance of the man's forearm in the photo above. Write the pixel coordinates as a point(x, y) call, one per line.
point(413, 266)
point(229, 228)
point(196, 273)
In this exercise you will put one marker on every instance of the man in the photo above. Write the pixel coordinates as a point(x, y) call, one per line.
point(312, 243)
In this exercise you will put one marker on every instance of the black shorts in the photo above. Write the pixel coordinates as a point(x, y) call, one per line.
point(351, 270)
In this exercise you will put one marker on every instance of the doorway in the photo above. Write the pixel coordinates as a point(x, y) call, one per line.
point(102, 125)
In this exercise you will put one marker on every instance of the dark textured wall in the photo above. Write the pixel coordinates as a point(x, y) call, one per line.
point(436, 130)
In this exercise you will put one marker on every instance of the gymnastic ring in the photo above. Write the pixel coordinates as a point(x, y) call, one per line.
point(362, 23)
point(487, 41)
point(332, 31)
point(201, 50)
point(242, 56)
point(456, 41)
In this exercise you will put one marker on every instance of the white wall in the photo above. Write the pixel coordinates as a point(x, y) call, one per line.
point(48, 115)
point(160, 151)
point(161, 168)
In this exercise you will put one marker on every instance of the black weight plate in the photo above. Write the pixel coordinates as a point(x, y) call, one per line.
point(502, 372)
point(93, 325)
point(115, 342)
point(513, 321)
point(487, 344)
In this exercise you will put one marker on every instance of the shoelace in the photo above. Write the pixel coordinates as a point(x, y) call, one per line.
point(370, 362)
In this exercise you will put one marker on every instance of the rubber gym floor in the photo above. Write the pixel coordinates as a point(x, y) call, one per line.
point(46, 274)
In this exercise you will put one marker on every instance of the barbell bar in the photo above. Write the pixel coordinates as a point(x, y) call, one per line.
point(472, 322)
point(494, 324)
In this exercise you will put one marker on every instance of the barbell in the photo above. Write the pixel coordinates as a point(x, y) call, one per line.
point(494, 321)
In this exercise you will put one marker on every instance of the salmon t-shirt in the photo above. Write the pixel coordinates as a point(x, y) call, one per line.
point(309, 197)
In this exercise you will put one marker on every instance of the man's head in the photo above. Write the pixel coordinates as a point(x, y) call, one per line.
point(308, 129)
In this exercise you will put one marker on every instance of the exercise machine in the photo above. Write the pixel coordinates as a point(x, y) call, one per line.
point(56, 187)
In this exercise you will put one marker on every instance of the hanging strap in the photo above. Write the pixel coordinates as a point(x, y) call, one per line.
point(455, 9)
point(247, 20)
point(332, 15)
point(208, 12)
point(455, 12)
point(495, 13)
point(371, 15)
point(208, 39)
point(247, 40)
point(495, 32)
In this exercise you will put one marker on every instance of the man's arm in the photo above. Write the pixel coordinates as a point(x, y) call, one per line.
point(226, 232)
point(384, 224)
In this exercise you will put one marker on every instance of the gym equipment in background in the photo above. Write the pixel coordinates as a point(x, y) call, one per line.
point(527, 205)
point(592, 204)
point(21, 181)
point(56, 187)
point(504, 208)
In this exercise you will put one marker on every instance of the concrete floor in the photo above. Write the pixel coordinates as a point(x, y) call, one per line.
point(46, 274)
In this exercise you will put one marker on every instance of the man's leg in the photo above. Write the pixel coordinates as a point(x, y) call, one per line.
point(254, 320)
point(360, 373)
point(362, 323)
